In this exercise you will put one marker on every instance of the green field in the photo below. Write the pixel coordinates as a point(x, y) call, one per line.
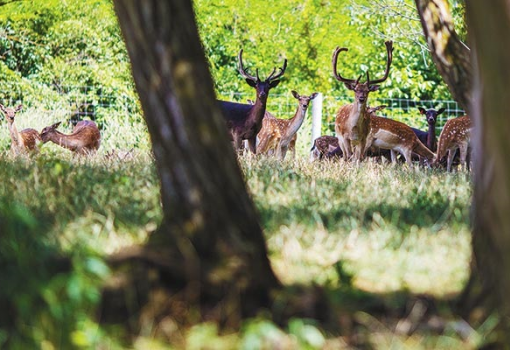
point(364, 233)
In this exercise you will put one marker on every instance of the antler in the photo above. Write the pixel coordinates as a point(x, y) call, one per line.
point(389, 51)
point(277, 76)
point(243, 71)
point(334, 62)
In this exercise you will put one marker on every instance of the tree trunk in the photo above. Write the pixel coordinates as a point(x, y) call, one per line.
point(488, 28)
point(210, 239)
point(451, 56)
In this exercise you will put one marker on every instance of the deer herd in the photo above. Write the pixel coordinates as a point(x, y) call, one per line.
point(360, 132)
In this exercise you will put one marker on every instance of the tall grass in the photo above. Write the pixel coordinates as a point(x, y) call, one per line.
point(388, 228)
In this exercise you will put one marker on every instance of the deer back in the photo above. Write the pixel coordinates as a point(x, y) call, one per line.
point(455, 132)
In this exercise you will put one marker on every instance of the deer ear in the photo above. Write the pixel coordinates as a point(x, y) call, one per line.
point(18, 108)
point(373, 87)
point(314, 95)
point(422, 110)
point(274, 83)
point(295, 94)
point(251, 82)
point(350, 86)
point(441, 110)
point(54, 126)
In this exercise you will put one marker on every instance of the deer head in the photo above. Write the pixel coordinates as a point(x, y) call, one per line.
point(304, 101)
point(262, 86)
point(9, 112)
point(361, 90)
point(431, 114)
point(48, 131)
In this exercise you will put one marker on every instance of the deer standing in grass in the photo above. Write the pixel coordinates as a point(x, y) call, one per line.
point(395, 136)
point(244, 121)
point(429, 138)
point(84, 139)
point(26, 139)
point(352, 121)
point(281, 134)
point(456, 133)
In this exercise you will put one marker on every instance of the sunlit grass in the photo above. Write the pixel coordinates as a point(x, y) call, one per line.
point(391, 228)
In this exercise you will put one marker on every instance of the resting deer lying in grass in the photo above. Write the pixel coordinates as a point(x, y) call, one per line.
point(26, 139)
point(84, 139)
point(244, 121)
point(352, 121)
point(323, 146)
point(397, 137)
point(456, 133)
point(281, 134)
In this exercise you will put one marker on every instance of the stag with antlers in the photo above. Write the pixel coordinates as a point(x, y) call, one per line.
point(352, 123)
point(244, 121)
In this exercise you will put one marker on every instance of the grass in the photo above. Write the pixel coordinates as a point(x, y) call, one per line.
point(374, 228)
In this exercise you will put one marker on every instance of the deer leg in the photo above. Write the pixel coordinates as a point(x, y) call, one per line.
point(451, 153)
point(252, 142)
point(463, 152)
point(408, 156)
point(393, 156)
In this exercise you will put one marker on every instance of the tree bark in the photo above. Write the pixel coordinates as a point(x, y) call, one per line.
point(489, 26)
point(451, 56)
point(210, 238)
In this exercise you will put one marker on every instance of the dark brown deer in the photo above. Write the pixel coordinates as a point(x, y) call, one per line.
point(352, 121)
point(26, 139)
point(455, 135)
point(280, 134)
point(244, 121)
point(429, 139)
point(84, 139)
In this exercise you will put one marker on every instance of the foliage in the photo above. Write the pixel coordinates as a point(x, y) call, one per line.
point(306, 33)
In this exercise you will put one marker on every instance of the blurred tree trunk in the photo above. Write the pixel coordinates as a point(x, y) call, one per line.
point(451, 56)
point(210, 241)
point(489, 26)
point(481, 88)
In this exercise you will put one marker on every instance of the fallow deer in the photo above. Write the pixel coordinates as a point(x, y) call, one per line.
point(323, 146)
point(244, 121)
point(429, 139)
point(456, 133)
point(397, 137)
point(352, 121)
point(84, 139)
point(281, 134)
point(27, 139)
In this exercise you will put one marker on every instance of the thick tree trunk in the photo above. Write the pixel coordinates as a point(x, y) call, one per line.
point(451, 56)
point(489, 26)
point(210, 238)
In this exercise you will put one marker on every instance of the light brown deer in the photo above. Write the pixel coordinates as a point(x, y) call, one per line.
point(352, 121)
point(84, 139)
point(25, 140)
point(455, 135)
point(395, 136)
point(281, 134)
point(244, 121)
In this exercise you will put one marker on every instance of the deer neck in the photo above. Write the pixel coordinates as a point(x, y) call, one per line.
point(431, 137)
point(66, 141)
point(295, 123)
point(258, 111)
point(15, 136)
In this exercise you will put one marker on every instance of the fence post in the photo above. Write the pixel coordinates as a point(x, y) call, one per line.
point(317, 116)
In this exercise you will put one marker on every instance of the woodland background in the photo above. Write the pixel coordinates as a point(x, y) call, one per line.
point(371, 248)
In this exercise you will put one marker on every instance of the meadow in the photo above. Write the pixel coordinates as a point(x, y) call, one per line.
point(373, 233)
